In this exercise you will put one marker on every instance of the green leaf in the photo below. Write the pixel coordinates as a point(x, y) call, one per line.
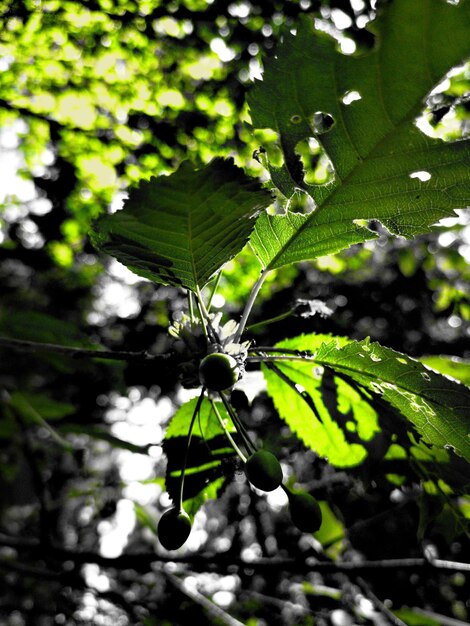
point(43, 328)
point(208, 453)
point(145, 517)
point(365, 378)
point(29, 405)
point(101, 434)
point(374, 145)
point(331, 533)
point(349, 424)
point(416, 617)
point(439, 408)
point(180, 229)
point(450, 366)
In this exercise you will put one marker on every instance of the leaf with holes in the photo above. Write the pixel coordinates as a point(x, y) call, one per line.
point(180, 229)
point(438, 407)
point(385, 168)
point(330, 417)
point(434, 406)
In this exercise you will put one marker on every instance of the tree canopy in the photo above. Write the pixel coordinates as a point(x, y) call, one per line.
point(285, 187)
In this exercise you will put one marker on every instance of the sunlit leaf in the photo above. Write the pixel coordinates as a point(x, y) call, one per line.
point(348, 424)
point(30, 404)
point(438, 407)
point(450, 366)
point(385, 168)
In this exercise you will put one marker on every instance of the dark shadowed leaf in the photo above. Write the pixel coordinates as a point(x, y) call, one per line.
point(180, 229)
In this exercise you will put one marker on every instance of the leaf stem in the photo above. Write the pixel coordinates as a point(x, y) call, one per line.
point(273, 357)
point(191, 307)
point(295, 352)
point(214, 289)
point(271, 320)
point(238, 424)
point(227, 434)
point(205, 317)
point(188, 443)
point(249, 305)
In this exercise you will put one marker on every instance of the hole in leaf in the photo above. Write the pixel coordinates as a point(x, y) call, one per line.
point(422, 175)
point(350, 97)
point(300, 202)
point(295, 119)
point(321, 122)
point(318, 169)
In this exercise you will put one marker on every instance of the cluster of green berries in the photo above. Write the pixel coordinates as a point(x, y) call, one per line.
point(219, 372)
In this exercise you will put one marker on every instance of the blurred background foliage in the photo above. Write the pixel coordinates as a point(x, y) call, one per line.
point(95, 96)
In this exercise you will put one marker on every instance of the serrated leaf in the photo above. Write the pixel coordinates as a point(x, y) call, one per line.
point(376, 150)
point(450, 366)
point(435, 406)
point(348, 423)
point(180, 229)
point(208, 453)
point(439, 408)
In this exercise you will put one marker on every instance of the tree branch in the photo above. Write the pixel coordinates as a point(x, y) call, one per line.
point(78, 353)
point(393, 619)
point(143, 561)
point(212, 609)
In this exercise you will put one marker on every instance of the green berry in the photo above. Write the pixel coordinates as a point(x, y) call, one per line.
point(173, 529)
point(305, 511)
point(263, 470)
point(218, 371)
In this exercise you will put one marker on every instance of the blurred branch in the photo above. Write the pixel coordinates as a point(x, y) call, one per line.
point(27, 570)
point(278, 603)
point(143, 561)
point(38, 482)
point(379, 605)
point(78, 353)
point(438, 617)
point(214, 611)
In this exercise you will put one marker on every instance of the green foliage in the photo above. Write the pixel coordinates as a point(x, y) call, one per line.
point(358, 381)
point(377, 153)
point(122, 91)
point(343, 424)
point(449, 366)
point(207, 456)
point(182, 229)
point(30, 405)
point(439, 408)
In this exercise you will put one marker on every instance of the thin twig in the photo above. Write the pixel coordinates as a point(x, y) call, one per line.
point(29, 571)
point(34, 346)
point(439, 618)
point(379, 605)
point(214, 611)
